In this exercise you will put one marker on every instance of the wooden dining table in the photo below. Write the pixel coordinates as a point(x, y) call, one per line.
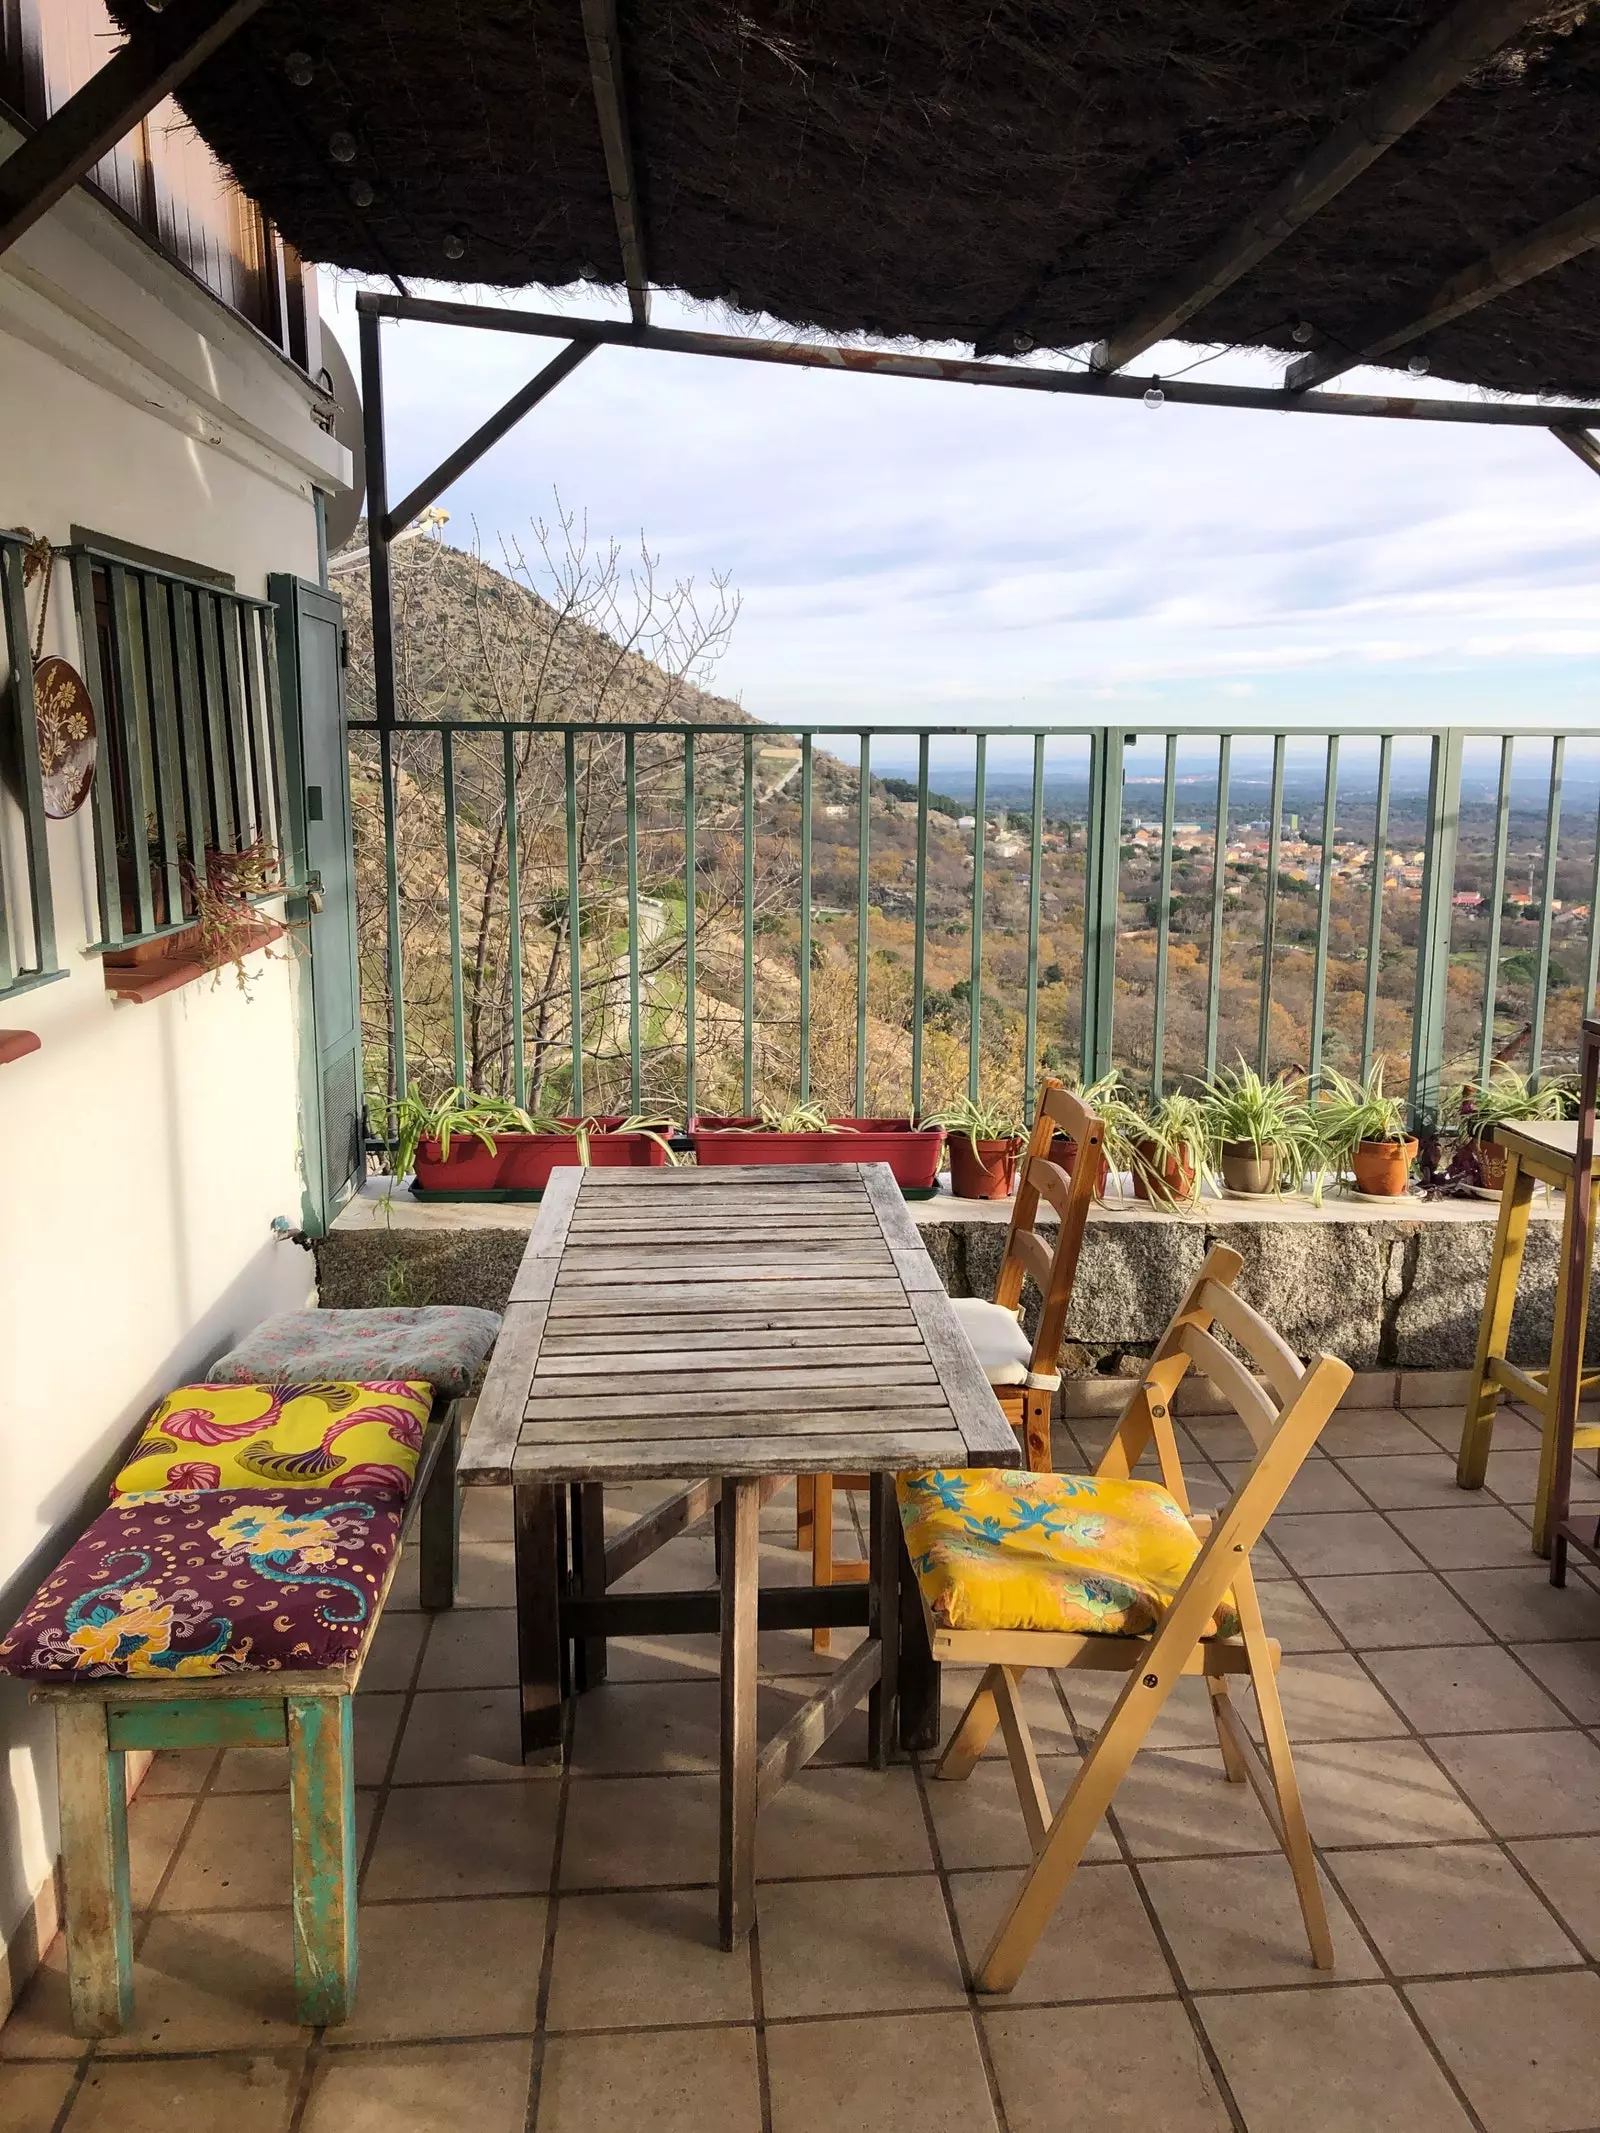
point(729, 1329)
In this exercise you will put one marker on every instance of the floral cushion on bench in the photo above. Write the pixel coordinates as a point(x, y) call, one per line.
point(226, 1581)
point(996, 1549)
point(297, 1436)
point(442, 1344)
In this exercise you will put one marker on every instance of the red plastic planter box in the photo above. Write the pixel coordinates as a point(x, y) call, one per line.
point(911, 1152)
point(521, 1163)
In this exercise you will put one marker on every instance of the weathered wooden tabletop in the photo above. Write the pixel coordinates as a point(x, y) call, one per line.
point(770, 1319)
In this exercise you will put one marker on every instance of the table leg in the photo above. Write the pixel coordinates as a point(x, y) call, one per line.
point(589, 1574)
point(741, 1561)
point(920, 1710)
point(539, 1572)
point(883, 1619)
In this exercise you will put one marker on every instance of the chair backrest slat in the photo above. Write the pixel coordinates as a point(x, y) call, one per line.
point(1254, 1408)
point(1051, 1182)
point(1070, 1194)
point(1265, 1346)
point(1036, 1258)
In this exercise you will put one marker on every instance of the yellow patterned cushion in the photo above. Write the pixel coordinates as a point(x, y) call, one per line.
point(995, 1549)
point(318, 1436)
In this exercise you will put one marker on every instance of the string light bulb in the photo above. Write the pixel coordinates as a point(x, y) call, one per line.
point(1303, 334)
point(342, 147)
point(361, 193)
point(300, 68)
point(454, 245)
point(1418, 366)
point(1154, 396)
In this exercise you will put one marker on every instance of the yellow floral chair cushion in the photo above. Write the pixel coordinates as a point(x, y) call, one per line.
point(313, 1436)
point(997, 1549)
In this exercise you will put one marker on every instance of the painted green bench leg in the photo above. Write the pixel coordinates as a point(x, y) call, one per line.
point(94, 1851)
point(439, 1522)
point(322, 1812)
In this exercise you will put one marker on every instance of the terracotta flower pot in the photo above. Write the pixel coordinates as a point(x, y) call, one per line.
point(990, 1174)
point(1065, 1152)
point(1247, 1168)
point(911, 1152)
point(1490, 1159)
point(1382, 1167)
point(468, 1167)
point(1162, 1179)
point(527, 1159)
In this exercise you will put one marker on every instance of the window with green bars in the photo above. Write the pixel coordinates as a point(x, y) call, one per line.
point(184, 680)
point(27, 922)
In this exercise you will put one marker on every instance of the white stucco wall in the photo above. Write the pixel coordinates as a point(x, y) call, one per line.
point(144, 1149)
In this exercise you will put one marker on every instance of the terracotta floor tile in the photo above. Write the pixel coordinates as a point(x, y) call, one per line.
point(1568, 1871)
point(1048, 1723)
point(979, 1821)
point(236, 1855)
point(1233, 1922)
point(1293, 1617)
point(1478, 1536)
point(1372, 1433)
point(921, 2074)
point(488, 1575)
point(1513, 1475)
point(1408, 1481)
point(697, 1658)
point(638, 1832)
point(1464, 1688)
point(475, 1648)
point(1372, 1792)
point(1571, 1672)
point(1346, 1543)
point(1099, 1943)
point(1325, 1696)
point(486, 1514)
point(40, 2024)
point(1380, 1613)
point(31, 2096)
point(1175, 1804)
point(1319, 1486)
point(842, 1821)
point(856, 1947)
point(1141, 2066)
point(175, 1770)
point(251, 2094)
point(1442, 1908)
point(674, 2081)
point(207, 1981)
point(454, 1735)
point(1523, 1605)
point(1184, 1720)
point(1523, 2048)
point(453, 1840)
point(648, 1729)
point(440, 1970)
point(155, 1826)
point(650, 1958)
point(1528, 1784)
point(421, 2088)
point(1348, 2060)
point(392, 1657)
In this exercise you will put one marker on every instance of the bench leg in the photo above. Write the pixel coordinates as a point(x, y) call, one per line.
point(439, 1523)
point(540, 1569)
point(589, 1575)
point(94, 1851)
point(1494, 1328)
point(322, 1805)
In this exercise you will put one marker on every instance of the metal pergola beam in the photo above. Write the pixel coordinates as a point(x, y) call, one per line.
point(1580, 442)
point(488, 433)
point(867, 362)
point(1468, 35)
point(1568, 237)
point(113, 101)
point(604, 40)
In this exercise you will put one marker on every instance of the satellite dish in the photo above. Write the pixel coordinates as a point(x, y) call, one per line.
point(344, 508)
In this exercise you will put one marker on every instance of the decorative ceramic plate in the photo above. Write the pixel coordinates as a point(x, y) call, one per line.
point(67, 742)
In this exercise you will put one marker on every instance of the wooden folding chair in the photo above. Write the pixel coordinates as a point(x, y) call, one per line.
point(1025, 1374)
point(1284, 1410)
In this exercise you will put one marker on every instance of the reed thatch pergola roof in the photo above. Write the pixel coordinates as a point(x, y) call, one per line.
point(1301, 175)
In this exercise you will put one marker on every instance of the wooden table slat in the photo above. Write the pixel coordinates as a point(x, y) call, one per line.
point(647, 1398)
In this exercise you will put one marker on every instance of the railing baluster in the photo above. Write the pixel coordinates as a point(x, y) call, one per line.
point(191, 725)
point(1030, 1037)
point(1433, 925)
point(1102, 889)
point(216, 724)
point(1158, 1026)
point(747, 1084)
point(630, 778)
point(1552, 836)
point(1591, 980)
point(919, 943)
point(689, 918)
point(1269, 924)
point(513, 832)
point(133, 725)
point(37, 958)
point(1497, 897)
point(107, 879)
point(397, 972)
point(574, 924)
point(863, 924)
point(1219, 885)
point(805, 918)
point(1380, 850)
point(975, 997)
point(452, 871)
point(1319, 975)
point(238, 738)
point(176, 832)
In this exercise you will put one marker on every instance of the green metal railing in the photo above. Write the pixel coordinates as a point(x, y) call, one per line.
point(27, 915)
point(561, 824)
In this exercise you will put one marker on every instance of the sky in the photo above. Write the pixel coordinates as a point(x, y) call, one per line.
point(912, 553)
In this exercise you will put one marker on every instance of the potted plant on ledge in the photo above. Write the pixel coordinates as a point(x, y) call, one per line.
point(466, 1144)
point(805, 1133)
point(985, 1141)
point(1366, 1130)
point(1508, 1099)
point(1164, 1146)
point(1264, 1133)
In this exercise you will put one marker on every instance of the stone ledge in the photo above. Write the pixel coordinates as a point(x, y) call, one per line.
point(1398, 1292)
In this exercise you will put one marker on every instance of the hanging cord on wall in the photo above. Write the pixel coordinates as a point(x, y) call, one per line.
point(39, 557)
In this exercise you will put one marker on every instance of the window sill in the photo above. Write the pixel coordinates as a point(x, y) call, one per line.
point(16, 1044)
point(141, 976)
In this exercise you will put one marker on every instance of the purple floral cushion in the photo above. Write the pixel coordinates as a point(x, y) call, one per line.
point(214, 1581)
point(441, 1344)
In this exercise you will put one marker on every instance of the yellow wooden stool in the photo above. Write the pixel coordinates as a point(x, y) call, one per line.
point(1536, 1153)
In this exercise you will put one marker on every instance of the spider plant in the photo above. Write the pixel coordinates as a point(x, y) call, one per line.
point(976, 1121)
point(1265, 1126)
point(1163, 1143)
point(1506, 1099)
point(1348, 1113)
point(797, 1118)
point(457, 1111)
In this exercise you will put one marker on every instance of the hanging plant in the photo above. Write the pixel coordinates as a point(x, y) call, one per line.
point(227, 925)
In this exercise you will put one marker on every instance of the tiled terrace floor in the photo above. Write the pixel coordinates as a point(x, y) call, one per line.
point(538, 1952)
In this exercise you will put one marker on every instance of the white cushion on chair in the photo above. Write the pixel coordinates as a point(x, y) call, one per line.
point(1004, 1350)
